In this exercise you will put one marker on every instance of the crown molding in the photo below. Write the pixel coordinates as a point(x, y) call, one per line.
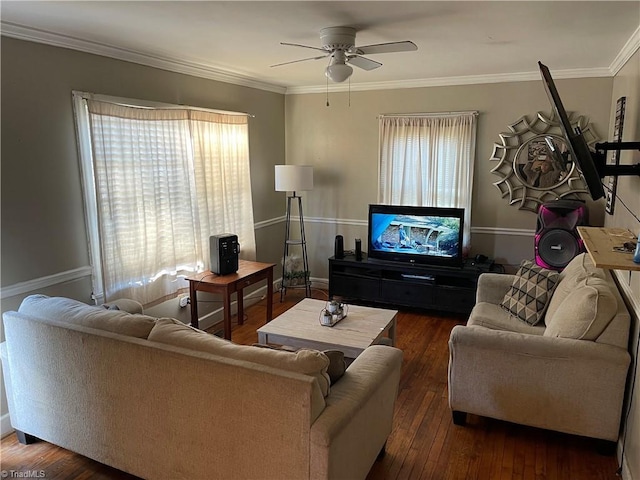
point(451, 81)
point(632, 45)
point(21, 32)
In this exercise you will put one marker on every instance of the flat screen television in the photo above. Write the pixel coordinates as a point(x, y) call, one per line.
point(587, 162)
point(416, 235)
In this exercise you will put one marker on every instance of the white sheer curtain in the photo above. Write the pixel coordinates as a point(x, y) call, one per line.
point(164, 181)
point(427, 160)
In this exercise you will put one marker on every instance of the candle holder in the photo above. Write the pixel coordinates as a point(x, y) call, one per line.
point(333, 313)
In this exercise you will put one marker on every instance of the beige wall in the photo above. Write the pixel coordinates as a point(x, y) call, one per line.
point(627, 84)
point(43, 230)
point(341, 142)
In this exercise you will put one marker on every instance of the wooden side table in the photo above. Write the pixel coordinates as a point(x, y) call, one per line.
point(248, 273)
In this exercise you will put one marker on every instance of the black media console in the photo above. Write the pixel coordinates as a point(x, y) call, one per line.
point(366, 281)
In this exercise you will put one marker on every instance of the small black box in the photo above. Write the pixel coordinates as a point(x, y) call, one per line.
point(224, 251)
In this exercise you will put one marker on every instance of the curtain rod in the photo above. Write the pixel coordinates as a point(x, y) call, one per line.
point(431, 114)
point(131, 102)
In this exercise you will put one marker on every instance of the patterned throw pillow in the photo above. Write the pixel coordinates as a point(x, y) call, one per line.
point(530, 292)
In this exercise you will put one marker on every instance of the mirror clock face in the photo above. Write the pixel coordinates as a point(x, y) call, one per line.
point(530, 172)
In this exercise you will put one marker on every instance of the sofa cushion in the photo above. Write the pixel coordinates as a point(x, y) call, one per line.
point(72, 311)
point(309, 362)
point(585, 312)
point(571, 277)
point(490, 315)
point(337, 363)
point(530, 292)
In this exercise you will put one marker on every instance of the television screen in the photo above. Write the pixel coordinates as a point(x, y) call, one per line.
point(578, 147)
point(425, 235)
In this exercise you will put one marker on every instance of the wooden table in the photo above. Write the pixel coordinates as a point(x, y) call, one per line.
point(248, 273)
point(300, 327)
point(600, 243)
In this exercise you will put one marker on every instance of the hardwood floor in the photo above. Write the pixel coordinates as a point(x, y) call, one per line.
point(424, 443)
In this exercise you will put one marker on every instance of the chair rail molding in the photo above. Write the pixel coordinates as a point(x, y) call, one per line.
point(519, 232)
point(43, 282)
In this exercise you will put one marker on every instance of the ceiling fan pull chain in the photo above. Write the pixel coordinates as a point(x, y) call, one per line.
point(327, 91)
point(349, 92)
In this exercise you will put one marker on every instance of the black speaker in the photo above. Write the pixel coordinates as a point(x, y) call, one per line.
point(358, 249)
point(224, 251)
point(338, 250)
point(557, 240)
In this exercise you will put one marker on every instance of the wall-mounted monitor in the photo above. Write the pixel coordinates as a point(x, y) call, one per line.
point(592, 164)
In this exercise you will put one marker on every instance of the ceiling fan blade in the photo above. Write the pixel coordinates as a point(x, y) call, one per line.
point(390, 47)
point(301, 60)
point(303, 46)
point(364, 63)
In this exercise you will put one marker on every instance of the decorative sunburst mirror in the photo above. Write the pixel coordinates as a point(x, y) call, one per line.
point(529, 174)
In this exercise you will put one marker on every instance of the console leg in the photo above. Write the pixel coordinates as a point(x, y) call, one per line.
point(459, 418)
point(25, 438)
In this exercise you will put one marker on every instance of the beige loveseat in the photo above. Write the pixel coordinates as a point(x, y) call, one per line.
point(158, 399)
point(567, 374)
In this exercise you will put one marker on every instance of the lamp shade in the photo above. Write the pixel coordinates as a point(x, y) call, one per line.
point(293, 178)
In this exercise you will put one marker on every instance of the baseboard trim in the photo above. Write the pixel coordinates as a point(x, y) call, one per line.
point(623, 278)
point(217, 315)
point(213, 318)
point(5, 425)
point(625, 473)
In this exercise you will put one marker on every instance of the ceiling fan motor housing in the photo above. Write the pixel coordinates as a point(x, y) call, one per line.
point(338, 38)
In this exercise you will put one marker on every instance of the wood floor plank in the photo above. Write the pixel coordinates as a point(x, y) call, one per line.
point(424, 443)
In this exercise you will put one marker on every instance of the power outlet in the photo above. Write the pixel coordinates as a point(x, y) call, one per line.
point(183, 301)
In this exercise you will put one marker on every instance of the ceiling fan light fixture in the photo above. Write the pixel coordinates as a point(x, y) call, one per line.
point(338, 72)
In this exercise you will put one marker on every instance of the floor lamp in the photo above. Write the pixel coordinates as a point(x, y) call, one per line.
point(294, 178)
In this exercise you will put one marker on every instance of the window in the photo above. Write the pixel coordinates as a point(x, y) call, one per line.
point(427, 160)
point(158, 181)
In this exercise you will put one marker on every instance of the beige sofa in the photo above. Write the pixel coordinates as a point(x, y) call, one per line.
point(158, 399)
point(567, 374)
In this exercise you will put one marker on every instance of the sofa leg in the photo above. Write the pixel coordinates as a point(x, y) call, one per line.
point(606, 447)
point(459, 418)
point(25, 438)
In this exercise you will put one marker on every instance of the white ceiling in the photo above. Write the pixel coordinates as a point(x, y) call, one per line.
point(458, 41)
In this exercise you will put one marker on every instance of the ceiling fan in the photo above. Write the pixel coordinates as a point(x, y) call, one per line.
point(339, 44)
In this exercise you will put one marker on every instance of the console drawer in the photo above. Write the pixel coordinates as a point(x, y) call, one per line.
point(456, 299)
point(407, 293)
point(349, 286)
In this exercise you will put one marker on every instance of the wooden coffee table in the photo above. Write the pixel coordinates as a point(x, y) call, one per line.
point(300, 327)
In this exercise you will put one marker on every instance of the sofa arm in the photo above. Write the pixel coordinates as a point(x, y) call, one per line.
point(492, 287)
point(572, 386)
point(352, 429)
